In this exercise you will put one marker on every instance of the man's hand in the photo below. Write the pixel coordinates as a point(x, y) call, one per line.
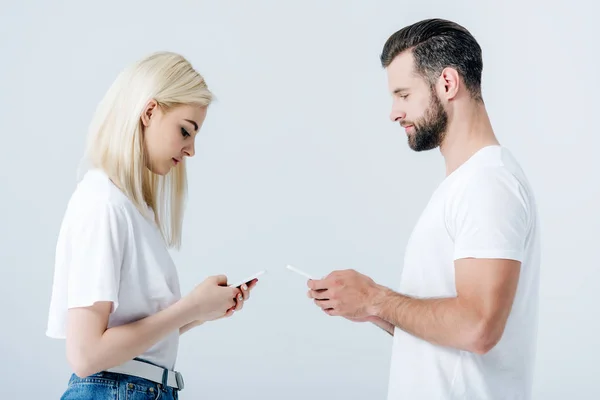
point(347, 294)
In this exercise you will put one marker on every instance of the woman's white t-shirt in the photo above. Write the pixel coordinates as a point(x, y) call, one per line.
point(108, 251)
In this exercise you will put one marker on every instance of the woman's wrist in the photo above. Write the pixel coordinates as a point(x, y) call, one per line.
point(186, 310)
point(190, 325)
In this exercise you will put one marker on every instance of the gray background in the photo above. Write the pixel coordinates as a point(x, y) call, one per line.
point(297, 163)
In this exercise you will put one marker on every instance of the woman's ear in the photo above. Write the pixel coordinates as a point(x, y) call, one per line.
point(148, 112)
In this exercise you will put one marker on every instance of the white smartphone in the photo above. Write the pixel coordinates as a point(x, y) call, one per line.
point(299, 271)
point(247, 280)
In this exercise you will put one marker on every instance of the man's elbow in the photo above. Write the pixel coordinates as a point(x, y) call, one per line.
point(485, 336)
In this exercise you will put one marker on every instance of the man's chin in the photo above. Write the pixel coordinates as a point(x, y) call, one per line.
point(424, 144)
point(420, 147)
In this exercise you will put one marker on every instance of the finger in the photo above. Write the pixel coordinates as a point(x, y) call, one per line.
point(239, 299)
point(221, 280)
point(229, 312)
point(235, 292)
point(231, 308)
point(252, 283)
point(331, 311)
point(324, 304)
point(319, 294)
point(245, 291)
point(318, 284)
point(239, 305)
point(239, 302)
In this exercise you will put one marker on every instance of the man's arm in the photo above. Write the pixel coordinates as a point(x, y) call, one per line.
point(375, 320)
point(489, 220)
point(383, 324)
point(474, 320)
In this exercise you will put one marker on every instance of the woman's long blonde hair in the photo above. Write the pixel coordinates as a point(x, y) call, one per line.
point(115, 143)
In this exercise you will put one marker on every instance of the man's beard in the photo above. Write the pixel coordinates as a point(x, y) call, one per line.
point(430, 130)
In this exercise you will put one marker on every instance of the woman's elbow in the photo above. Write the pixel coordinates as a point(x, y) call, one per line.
point(81, 363)
point(84, 333)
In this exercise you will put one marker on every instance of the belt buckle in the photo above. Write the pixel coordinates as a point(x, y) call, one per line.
point(179, 379)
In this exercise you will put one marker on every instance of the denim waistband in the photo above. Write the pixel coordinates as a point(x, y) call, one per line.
point(119, 383)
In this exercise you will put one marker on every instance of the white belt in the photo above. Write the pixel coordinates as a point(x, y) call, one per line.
point(149, 371)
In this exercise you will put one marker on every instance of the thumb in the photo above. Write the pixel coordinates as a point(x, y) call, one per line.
point(221, 280)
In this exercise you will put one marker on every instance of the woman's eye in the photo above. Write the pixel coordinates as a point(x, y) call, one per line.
point(184, 132)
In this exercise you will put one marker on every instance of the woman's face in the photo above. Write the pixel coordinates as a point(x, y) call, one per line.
point(169, 136)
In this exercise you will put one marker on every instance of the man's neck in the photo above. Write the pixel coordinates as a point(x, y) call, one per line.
point(469, 130)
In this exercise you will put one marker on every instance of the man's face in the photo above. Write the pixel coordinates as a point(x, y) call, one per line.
point(416, 105)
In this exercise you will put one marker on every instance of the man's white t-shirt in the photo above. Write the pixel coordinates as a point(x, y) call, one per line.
point(484, 209)
point(108, 251)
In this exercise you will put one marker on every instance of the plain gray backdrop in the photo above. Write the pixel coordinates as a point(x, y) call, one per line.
point(297, 163)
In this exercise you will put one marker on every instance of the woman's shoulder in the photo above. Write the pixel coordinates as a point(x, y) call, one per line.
point(96, 193)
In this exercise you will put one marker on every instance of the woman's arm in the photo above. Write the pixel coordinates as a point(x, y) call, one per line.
point(189, 326)
point(92, 348)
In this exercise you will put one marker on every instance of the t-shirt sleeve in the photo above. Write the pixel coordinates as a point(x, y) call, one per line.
point(489, 217)
point(96, 245)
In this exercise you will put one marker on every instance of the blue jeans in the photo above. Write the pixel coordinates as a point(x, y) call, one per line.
point(112, 386)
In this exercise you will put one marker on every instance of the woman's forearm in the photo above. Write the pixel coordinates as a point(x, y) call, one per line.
point(91, 349)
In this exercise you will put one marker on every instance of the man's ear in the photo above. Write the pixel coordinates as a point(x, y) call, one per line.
point(449, 83)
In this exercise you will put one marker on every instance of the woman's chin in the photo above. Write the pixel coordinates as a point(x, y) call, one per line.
point(160, 170)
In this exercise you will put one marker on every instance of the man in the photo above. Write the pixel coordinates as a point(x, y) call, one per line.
point(464, 318)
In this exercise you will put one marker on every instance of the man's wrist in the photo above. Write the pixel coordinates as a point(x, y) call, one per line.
point(378, 298)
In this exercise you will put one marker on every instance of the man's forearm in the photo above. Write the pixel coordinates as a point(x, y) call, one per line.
point(443, 321)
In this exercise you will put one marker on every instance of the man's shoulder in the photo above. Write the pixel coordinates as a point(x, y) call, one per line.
point(493, 171)
point(495, 184)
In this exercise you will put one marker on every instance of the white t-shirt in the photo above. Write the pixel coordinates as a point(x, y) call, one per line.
point(108, 251)
point(484, 209)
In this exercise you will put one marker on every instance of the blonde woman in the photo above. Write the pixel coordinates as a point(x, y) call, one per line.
point(116, 296)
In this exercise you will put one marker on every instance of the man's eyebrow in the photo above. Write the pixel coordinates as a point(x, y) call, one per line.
point(398, 90)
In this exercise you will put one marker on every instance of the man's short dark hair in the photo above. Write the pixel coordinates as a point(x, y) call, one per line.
point(436, 44)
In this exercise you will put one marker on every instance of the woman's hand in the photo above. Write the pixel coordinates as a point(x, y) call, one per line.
point(243, 294)
point(245, 290)
point(212, 299)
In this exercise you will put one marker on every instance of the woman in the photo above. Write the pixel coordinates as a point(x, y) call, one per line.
point(116, 297)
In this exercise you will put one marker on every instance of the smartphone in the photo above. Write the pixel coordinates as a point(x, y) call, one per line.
point(299, 271)
point(247, 280)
